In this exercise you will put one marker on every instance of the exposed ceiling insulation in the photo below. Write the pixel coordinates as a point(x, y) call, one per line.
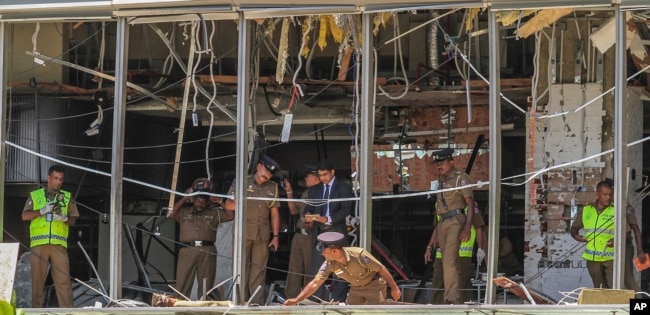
point(62, 9)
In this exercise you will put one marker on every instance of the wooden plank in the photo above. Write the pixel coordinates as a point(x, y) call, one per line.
point(445, 131)
point(543, 19)
point(504, 82)
point(232, 80)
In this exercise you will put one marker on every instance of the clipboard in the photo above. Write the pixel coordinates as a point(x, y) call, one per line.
point(641, 266)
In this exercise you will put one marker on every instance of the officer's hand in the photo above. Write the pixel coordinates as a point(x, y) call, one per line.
point(291, 302)
point(286, 184)
point(464, 234)
point(47, 209)
point(396, 293)
point(61, 217)
point(275, 243)
point(610, 243)
point(427, 255)
point(480, 255)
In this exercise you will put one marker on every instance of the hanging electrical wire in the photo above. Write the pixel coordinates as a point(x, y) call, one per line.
point(398, 48)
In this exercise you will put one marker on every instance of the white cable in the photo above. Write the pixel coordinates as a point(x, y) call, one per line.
point(214, 96)
point(195, 26)
point(486, 80)
point(102, 52)
point(595, 98)
point(126, 179)
point(398, 47)
point(302, 45)
point(461, 72)
point(35, 36)
point(168, 64)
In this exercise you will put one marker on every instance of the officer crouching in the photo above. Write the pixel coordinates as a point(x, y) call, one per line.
point(368, 278)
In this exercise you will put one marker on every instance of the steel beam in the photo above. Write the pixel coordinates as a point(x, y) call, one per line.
point(243, 121)
point(620, 145)
point(364, 148)
point(494, 195)
point(117, 157)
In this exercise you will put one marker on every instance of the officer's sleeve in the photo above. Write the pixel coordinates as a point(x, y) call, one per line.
point(73, 212)
point(577, 223)
point(371, 262)
point(29, 204)
point(324, 271)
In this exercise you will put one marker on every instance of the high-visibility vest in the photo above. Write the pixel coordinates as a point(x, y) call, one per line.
point(466, 248)
point(599, 229)
point(43, 232)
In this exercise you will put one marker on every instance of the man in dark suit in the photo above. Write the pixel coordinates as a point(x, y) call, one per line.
point(328, 216)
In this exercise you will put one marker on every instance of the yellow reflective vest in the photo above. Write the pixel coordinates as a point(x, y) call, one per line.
point(599, 229)
point(43, 232)
point(466, 248)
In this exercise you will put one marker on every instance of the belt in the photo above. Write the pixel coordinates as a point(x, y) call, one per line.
point(303, 231)
point(450, 214)
point(199, 243)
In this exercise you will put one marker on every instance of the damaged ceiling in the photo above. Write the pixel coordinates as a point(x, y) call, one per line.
point(316, 93)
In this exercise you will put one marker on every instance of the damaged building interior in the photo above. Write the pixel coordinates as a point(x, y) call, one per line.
point(139, 98)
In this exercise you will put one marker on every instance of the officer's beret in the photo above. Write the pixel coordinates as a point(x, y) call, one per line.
point(444, 154)
point(270, 164)
point(331, 239)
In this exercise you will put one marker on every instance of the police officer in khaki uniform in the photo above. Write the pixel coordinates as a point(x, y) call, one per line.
point(465, 254)
point(366, 275)
point(198, 225)
point(301, 245)
point(455, 225)
point(262, 217)
point(50, 211)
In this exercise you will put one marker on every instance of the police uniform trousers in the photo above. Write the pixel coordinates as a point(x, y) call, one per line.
point(465, 277)
point(448, 238)
point(41, 257)
point(602, 273)
point(257, 252)
point(374, 293)
point(199, 262)
point(630, 282)
point(299, 265)
point(437, 283)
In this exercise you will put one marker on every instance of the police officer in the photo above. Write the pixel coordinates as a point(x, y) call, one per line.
point(198, 225)
point(455, 225)
point(598, 221)
point(368, 278)
point(301, 244)
point(51, 212)
point(258, 238)
point(465, 254)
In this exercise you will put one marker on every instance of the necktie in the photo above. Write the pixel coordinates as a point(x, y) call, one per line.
point(326, 195)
